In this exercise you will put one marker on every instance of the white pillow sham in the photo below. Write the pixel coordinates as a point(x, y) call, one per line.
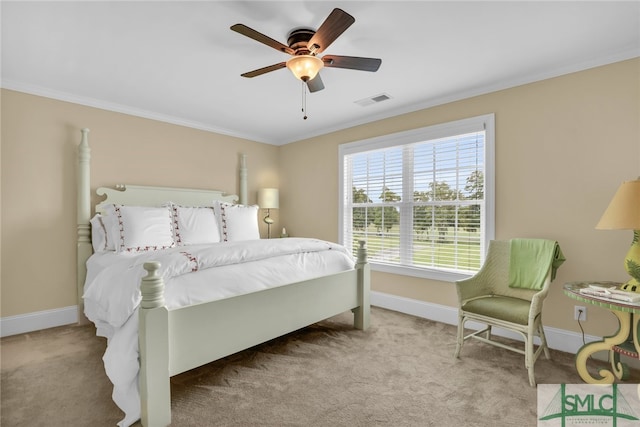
point(98, 234)
point(195, 225)
point(104, 232)
point(238, 222)
point(112, 228)
point(143, 228)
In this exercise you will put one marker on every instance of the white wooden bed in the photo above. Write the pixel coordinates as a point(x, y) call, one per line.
point(174, 341)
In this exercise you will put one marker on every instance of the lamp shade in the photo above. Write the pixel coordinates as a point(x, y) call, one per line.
point(305, 67)
point(268, 198)
point(623, 213)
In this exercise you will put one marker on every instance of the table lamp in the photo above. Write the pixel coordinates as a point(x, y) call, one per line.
point(623, 213)
point(268, 198)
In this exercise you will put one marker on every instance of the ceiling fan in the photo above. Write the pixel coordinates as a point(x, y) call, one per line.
point(304, 44)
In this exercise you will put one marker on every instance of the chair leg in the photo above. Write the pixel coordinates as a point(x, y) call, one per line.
point(532, 377)
point(543, 342)
point(460, 338)
point(529, 360)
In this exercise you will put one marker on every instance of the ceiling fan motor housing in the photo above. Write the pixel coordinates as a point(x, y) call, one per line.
point(299, 38)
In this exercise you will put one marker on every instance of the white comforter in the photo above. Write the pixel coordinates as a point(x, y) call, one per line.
point(192, 274)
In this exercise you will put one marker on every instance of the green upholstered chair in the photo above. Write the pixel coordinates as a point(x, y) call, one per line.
point(487, 298)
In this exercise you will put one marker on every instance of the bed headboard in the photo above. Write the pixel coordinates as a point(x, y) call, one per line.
point(140, 195)
point(132, 195)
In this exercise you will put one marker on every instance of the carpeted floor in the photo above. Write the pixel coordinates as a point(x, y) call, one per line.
point(400, 372)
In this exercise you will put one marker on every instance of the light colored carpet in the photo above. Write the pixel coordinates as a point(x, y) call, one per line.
point(400, 372)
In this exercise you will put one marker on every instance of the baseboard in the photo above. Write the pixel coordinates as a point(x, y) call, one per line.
point(558, 339)
point(22, 323)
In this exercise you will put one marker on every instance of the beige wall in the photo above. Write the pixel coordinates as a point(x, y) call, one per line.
point(563, 146)
point(39, 139)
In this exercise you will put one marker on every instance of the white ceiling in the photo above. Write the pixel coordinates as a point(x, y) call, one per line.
point(179, 62)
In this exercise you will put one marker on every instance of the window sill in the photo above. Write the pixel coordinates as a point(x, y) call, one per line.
point(423, 273)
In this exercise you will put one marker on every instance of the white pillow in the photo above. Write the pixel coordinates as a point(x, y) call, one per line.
point(238, 222)
point(112, 229)
point(105, 231)
point(143, 228)
point(195, 225)
point(98, 234)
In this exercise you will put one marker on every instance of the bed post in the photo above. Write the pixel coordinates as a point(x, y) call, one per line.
point(361, 313)
point(83, 218)
point(153, 339)
point(243, 179)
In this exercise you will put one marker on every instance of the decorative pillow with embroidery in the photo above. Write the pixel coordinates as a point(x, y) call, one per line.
point(238, 222)
point(195, 225)
point(143, 228)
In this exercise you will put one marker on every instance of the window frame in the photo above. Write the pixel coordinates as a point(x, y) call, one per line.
point(437, 131)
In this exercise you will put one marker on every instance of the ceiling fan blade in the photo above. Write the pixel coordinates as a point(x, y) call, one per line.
point(335, 24)
point(257, 36)
point(352, 62)
point(264, 70)
point(315, 84)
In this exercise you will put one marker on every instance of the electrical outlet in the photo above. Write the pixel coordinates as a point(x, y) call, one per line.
point(580, 313)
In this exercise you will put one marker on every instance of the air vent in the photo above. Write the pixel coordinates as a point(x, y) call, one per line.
point(373, 100)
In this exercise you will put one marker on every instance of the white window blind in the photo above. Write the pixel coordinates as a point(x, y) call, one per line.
point(423, 199)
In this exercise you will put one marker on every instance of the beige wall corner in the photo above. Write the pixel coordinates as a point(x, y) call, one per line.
point(39, 140)
point(563, 146)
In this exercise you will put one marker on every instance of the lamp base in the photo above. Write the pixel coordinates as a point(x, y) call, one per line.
point(268, 220)
point(631, 286)
point(632, 264)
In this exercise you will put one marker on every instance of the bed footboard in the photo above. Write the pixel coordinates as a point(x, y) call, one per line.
point(175, 341)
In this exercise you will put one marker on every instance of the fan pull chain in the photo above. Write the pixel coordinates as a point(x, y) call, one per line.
point(304, 101)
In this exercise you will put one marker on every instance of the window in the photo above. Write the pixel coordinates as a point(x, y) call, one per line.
point(422, 199)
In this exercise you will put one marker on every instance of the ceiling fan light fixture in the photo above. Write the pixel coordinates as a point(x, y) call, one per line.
point(305, 67)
